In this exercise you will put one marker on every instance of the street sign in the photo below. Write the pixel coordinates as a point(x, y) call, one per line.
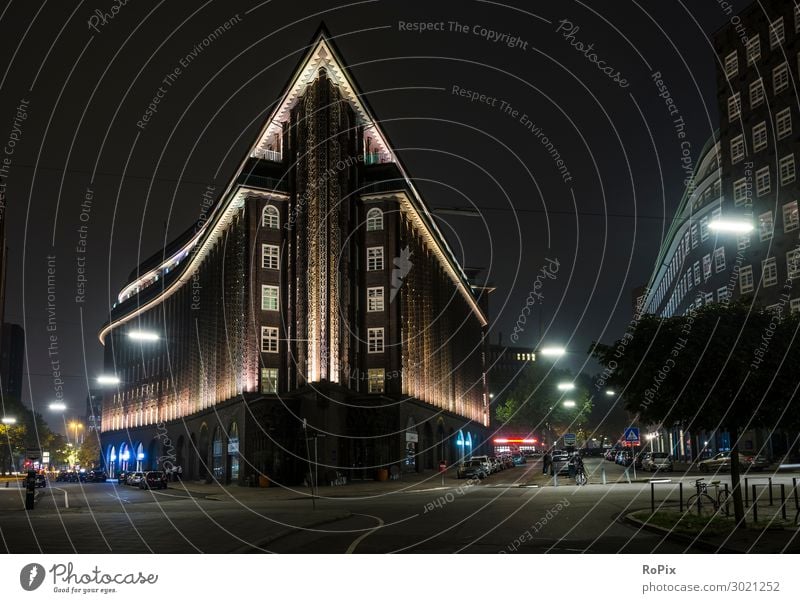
point(569, 439)
point(631, 435)
point(33, 454)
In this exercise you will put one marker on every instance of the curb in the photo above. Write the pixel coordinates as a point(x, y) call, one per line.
point(680, 538)
point(288, 532)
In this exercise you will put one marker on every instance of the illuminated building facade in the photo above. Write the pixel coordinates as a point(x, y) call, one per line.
point(318, 307)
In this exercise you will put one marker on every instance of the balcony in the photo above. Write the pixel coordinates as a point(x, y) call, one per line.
point(376, 158)
point(269, 155)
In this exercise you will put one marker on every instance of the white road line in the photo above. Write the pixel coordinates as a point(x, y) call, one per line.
point(358, 540)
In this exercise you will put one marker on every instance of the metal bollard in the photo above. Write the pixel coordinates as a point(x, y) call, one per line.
point(783, 502)
point(770, 491)
point(603, 470)
point(652, 498)
point(755, 505)
point(746, 490)
point(680, 493)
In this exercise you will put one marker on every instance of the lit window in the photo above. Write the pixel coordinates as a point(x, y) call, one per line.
point(777, 34)
point(783, 123)
point(763, 184)
point(269, 297)
point(731, 64)
point(375, 340)
point(740, 191)
point(722, 294)
point(269, 380)
point(374, 258)
point(269, 340)
point(753, 49)
point(270, 257)
point(374, 299)
point(745, 279)
point(694, 235)
point(769, 272)
point(765, 225)
point(374, 219)
point(787, 170)
point(760, 137)
point(734, 106)
point(719, 259)
point(376, 380)
point(780, 78)
point(703, 228)
point(707, 266)
point(791, 220)
point(270, 218)
point(697, 273)
point(793, 264)
point(737, 149)
point(743, 241)
point(757, 93)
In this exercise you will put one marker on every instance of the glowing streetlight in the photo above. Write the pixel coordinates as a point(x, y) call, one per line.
point(137, 335)
point(569, 403)
point(736, 226)
point(552, 352)
point(610, 392)
point(57, 407)
point(108, 380)
point(9, 420)
point(565, 387)
point(76, 426)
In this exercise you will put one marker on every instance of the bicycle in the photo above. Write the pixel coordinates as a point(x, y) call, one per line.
point(697, 499)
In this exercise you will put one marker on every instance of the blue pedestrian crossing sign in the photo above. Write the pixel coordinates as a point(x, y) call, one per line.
point(631, 434)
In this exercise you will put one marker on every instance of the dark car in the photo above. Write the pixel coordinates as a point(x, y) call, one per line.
point(153, 480)
point(97, 476)
point(122, 476)
point(41, 480)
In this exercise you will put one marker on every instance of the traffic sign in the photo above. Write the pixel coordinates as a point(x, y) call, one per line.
point(631, 435)
point(569, 439)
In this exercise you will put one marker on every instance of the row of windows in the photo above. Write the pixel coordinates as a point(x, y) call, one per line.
point(783, 123)
point(786, 173)
point(270, 218)
point(376, 379)
point(766, 224)
point(769, 271)
point(777, 36)
point(269, 340)
point(780, 83)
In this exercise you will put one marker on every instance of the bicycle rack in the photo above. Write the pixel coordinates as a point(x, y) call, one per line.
point(653, 483)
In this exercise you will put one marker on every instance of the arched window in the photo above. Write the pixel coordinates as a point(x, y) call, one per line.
point(233, 452)
point(374, 219)
point(216, 454)
point(270, 218)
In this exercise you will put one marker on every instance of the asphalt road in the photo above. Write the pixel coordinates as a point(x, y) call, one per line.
point(515, 511)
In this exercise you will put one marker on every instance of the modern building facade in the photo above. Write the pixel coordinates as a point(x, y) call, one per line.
point(12, 360)
point(316, 321)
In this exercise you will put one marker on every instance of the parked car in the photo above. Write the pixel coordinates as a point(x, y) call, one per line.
point(496, 464)
point(560, 456)
point(41, 480)
point(153, 480)
point(487, 464)
point(755, 463)
point(473, 469)
point(722, 462)
point(657, 461)
point(97, 476)
point(122, 476)
point(134, 478)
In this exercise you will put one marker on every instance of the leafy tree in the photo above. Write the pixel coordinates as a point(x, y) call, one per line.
point(89, 452)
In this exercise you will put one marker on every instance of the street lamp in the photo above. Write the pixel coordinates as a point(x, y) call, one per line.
point(76, 426)
point(108, 380)
point(9, 420)
point(552, 352)
point(139, 335)
point(57, 407)
point(569, 403)
point(737, 226)
point(610, 392)
point(564, 387)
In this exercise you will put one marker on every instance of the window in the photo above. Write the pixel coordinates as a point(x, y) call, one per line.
point(376, 380)
point(791, 220)
point(269, 257)
point(719, 259)
point(374, 219)
point(794, 305)
point(734, 106)
point(760, 137)
point(777, 35)
point(703, 228)
point(694, 235)
point(717, 188)
point(269, 297)
point(709, 297)
point(783, 123)
point(269, 340)
point(743, 241)
point(780, 78)
point(374, 299)
point(375, 340)
point(737, 149)
point(740, 191)
point(769, 272)
point(707, 266)
point(374, 258)
point(745, 279)
point(763, 185)
point(722, 294)
point(786, 168)
point(269, 380)
point(756, 93)
point(753, 49)
point(697, 273)
point(270, 218)
point(732, 64)
point(793, 263)
point(765, 225)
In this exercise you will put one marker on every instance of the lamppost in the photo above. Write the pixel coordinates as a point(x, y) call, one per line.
point(75, 425)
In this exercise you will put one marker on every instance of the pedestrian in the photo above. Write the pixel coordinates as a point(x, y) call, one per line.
point(547, 461)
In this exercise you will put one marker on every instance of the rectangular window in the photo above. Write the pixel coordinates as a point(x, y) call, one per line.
point(763, 183)
point(737, 149)
point(269, 380)
point(703, 228)
point(375, 340)
point(376, 380)
point(769, 272)
point(753, 49)
point(777, 34)
point(722, 294)
point(707, 266)
point(269, 340)
point(780, 78)
point(765, 225)
point(734, 106)
point(793, 264)
point(709, 297)
point(694, 236)
point(760, 137)
point(745, 279)
point(740, 189)
point(757, 93)
point(697, 273)
point(743, 241)
point(783, 123)
point(374, 299)
point(270, 257)
point(374, 258)
point(719, 259)
point(717, 188)
point(787, 170)
point(794, 305)
point(791, 220)
point(269, 297)
point(732, 64)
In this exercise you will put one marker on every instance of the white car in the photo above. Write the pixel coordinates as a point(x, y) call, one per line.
point(487, 464)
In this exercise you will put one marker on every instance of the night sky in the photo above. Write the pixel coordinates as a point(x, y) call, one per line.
point(602, 216)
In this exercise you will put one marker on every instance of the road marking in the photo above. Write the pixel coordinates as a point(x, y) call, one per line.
point(358, 540)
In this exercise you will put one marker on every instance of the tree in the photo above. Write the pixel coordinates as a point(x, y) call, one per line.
point(723, 365)
point(89, 452)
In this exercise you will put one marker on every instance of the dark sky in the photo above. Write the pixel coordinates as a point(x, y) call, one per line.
point(86, 90)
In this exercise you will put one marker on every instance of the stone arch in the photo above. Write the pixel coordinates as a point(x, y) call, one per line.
point(218, 454)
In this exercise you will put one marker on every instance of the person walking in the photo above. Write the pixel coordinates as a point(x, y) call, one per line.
point(547, 461)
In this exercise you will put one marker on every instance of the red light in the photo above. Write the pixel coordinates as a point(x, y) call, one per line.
point(500, 441)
